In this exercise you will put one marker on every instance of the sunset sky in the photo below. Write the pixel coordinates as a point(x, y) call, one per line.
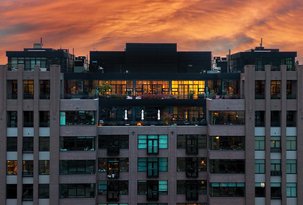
point(216, 25)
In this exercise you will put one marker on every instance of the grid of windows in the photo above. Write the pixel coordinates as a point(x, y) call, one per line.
point(77, 167)
point(105, 186)
point(152, 143)
point(77, 190)
point(184, 140)
point(152, 163)
point(227, 189)
point(160, 186)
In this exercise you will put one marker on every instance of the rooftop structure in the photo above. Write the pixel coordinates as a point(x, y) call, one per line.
point(151, 137)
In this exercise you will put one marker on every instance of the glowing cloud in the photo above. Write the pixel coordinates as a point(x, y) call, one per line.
point(216, 25)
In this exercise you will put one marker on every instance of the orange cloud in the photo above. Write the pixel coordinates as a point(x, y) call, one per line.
point(216, 25)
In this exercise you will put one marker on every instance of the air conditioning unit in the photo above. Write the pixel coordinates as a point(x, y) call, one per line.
point(43, 69)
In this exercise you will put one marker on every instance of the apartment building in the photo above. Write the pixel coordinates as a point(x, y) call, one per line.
point(160, 130)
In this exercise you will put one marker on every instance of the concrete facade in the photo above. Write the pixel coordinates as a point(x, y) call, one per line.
point(248, 104)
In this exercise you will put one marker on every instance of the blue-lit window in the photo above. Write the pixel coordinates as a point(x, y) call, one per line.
point(145, 164)
point(163, 187)
point(291, 190)
point(152, 143)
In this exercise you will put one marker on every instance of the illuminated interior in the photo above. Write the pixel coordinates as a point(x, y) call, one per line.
point(184, 89)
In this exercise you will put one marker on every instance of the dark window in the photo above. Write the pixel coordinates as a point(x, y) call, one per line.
point(227, 166)
point(77, 191)
point(275, 119)
point(43, 144)
point(227, 143)
point(152, 188)
point(260, 118)
point(260, 89)
point(182, 139)
point(77, 167)
point(27, 192)
point(12, 119)
point(158, 204)
point(260, 190)
point(227, 117)
point(192, 188)
point(28, 144)
point(106, 141)
point(44, 89)
point(113, 143)
point(77, 118)
point(43, 191)
point(291, 119)
point(82, 143)
point(28, 119)
point(44, 167)
point(275, 190)
point(122, 187)
point(43, 118)
point(11, 191)
point(27, 168)
point(104, 164)
point(289, 62)
point(12, 89)
point(291, 89)
point(227, 189)
point(11, 144)
point(28, 89)
point(113, 191)
point(191, 164)
point(275, 167)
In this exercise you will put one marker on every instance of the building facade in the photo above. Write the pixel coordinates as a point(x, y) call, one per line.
point(178, 136)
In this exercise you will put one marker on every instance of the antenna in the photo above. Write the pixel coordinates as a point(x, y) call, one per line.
point(41, 41)
point(261, 43)
point(228, 61)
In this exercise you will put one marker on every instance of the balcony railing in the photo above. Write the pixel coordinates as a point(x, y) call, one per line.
point(151, 123)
